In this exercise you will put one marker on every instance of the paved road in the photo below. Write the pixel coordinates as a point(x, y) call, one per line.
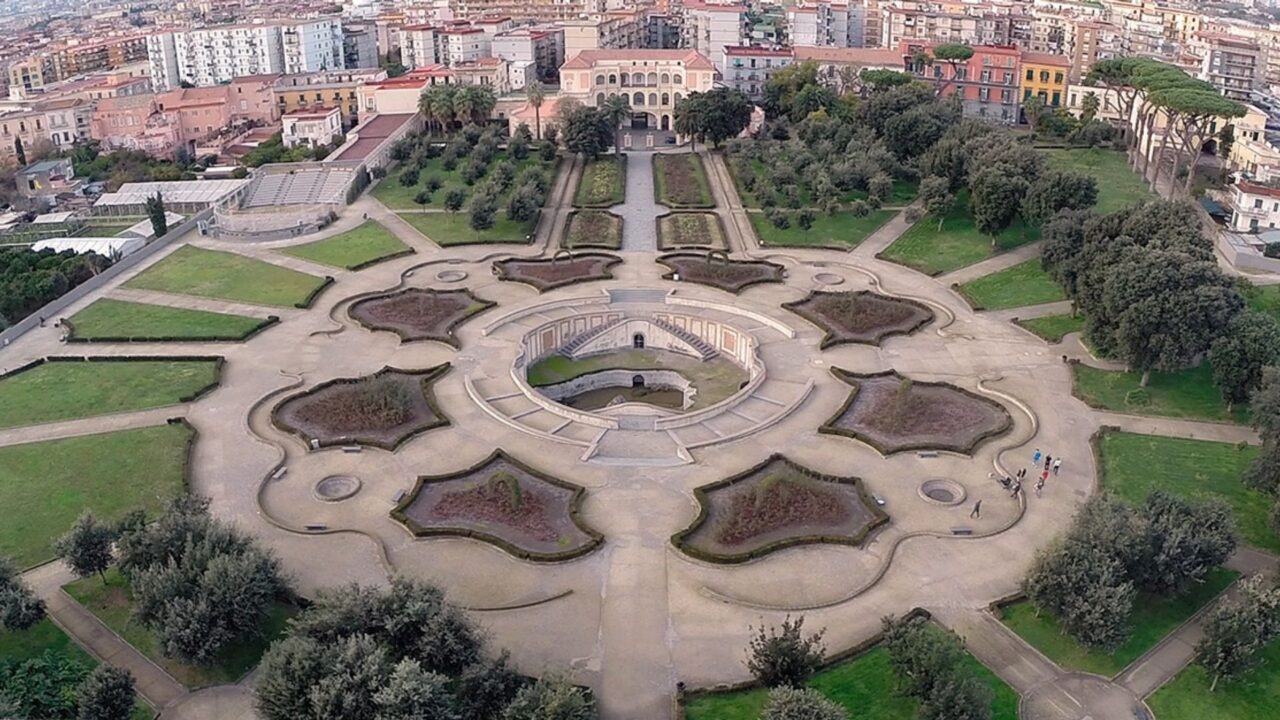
point(639, 232)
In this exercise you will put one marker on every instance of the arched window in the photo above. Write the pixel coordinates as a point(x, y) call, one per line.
point(599, 79)
point(677, 79)
point(652, 79)
point(637, 342)
point(638, 99)
point(599, 99)
point(678, 98)
point(666, 78)
point(624, 79)
point(637, 78)
point(653, 98)
point(614, 95)
point(666, 98)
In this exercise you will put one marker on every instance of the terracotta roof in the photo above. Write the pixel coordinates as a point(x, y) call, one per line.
point(884, 57)
point(1036, 58)
point(692, 59)
point(1251, 189)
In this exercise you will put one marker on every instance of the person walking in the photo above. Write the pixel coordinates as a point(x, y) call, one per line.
point(1017, 488)
point(1057, 465)
point(1035, 458)
point(1044, 476)
point(1022, 473)
point(1048, 460)
point(1039, 486)
point(977, 510)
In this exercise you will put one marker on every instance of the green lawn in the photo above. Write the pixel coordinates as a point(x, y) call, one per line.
point(866, 686)
point(1188, 394)
point(446, 229)
point(1133, 465)
point(65, 390)
point(398, 197)
point(603, 182)
point(107, 318)
point(1264, 299)
point(1054, 327)
point(1254, 697)
point(680, 181)
point(959, 244)
point(841, 230)
point(47, 485)
point(358, 247)
point(227, 276)
point(1023, 284)
point(1118, 186)
point(1153, 618)
point(112, 602)
point(714, 379)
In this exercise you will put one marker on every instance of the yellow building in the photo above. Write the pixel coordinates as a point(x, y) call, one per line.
point(1045, 75)
point(334, 88)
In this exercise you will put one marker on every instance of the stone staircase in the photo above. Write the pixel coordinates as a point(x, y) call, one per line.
point(704, 349)
point(655, 296)
point(577, 341)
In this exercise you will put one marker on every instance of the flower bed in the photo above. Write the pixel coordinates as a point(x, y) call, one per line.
point(680, 181)
point(774, 505)
point(416, 314)
point(593, 229)
point(690, 229)
point(860, 317)
point(729, 275)
point(894, 414)
point(547, 274)
point(381, 410)
point(602, 183)
point(504, 502)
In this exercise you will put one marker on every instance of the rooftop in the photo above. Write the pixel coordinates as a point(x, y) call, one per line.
point(691, 58)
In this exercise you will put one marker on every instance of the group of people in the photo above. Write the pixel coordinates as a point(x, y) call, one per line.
point(1045, 463)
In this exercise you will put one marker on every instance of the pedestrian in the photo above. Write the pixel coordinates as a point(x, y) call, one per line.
point(1039, 486)
point(977, 510)
point(1048, 460)
point(1044, 476)
point(1006, 482)
point(1057, 465)
point(1035, 458)
point(1022, 473)
point(41, 321)
point(1017, 488)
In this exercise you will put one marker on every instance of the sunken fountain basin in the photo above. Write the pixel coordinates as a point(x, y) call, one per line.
point(382, 410)
point(506, 503)
point(419, 314)
point(860, 316)
point(720, 272)
point(894, 414)
point(774, 505)
point(549, 273)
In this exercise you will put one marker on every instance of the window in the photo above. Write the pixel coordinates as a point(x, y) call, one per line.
point(1008, 78)
point(1031, 75)
point(676, 79)
point(1057, 98)
point(599, 79)
point(638, 99)
point(599, 99)
point(1057, 78)
point(666, 78)
point(652, 79)
point(637, 79)
point(1044, 76)
point(1257, 204)
point(1027, 95)
point(666, 98)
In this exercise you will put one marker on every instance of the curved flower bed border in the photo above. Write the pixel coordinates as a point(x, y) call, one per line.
point(428, 376)
point(448, 338)
point(851, 378)
point(832, 337)
point(575, 507)
point(680, 539)
point(502, 270)
point(778, 276)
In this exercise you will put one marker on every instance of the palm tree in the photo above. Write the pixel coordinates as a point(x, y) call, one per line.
point(442, 104)
point(686, 121)
point(425, 106)
point(615, 110)
point(483, 100)
point(464, 105)
point(535, 92)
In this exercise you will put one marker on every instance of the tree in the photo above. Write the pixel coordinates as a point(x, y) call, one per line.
point(1263, 473)
point(1058, 190)
point(995, 195)
point(1089, 106)
point(454, 199)
point(86, 547)
point(1034, 109)
point(288, 671)
point(412, 694)
point(1251, 343)
point(486, 688)
point(616, 109)
point(1236, 631)
point(953, 54)
point(535, 92)
point(482, 211)
point(155, 211)
point(930, 665)
point(804, 220)
point(356, 673)
point(877, 80)
point(786, 703)
point(1061, 256)
point(937, 198)
point(1181, 542)
point(587, 132)
point(551, 699)
point(107, 694)
point(20, 151)
point(784, 655)
point(19, 606)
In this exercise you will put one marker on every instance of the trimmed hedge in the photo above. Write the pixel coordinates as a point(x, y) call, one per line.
point(736, 288)
point(499, 455)
point(851, 378)
point(393, 256)
point(263, 325)
point(428, 378)
point(314, 294)
point(831, 338)
point(680, 539)
point(500, 269)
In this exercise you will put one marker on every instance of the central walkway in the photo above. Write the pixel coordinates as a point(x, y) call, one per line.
point(639, 231)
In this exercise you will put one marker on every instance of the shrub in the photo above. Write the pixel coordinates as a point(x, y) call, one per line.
point(785, 655)
point(409, 177)
point(434, 183)
point(779, 218)
point(379, 172)
point(20, 608)
point(808, 704)
point(859, 208)
point(482, 212)
point(1272, 250)
point(547, 151)
point(472, 171)
point(454, 199)
point(423, 197)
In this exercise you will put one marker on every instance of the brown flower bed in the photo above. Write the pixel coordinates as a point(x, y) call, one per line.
point(382, 410)
point(728, 275)
point(895, 414)
point(593, 229)
point(416, 314)
point(690, 229)
point(547, 274)
point(504, 502)
point(680, 181)
point(774, 505)
point(861, 316)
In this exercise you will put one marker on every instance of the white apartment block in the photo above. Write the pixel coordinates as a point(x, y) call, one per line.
point(747, 69)
point(607, 31)
point(214, 55)
point(418, 46)
point(534, 53)
point(1234, 65)
point(461, 45)
point(827, 24)
point(709, 29)
point(312, 45)
point(1254, 207)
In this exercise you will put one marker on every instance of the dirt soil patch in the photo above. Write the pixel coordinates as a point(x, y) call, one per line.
point(547, 274)
point(680, 180)
point(503, 502)
point(381, 410)
point(895, 414)
point(417, 314)
point(861, 316)
point(774, 505)
point(729, 275)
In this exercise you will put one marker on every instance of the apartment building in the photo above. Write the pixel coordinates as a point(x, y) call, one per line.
point(400, 95)
point(534, 54)
point(461, 44)
point(1254, 207)
point(747, 69)
point(490, 72)
point(27, 125)
point(955, 22)
point(338, 89)
point(652, 81)
point(605, 31)
point(1045, 76)
point(988, 84)
point(827, 24)
point(67, 120)
point(313, 128)
point(359, 45)
point(418, 46)
point(1235, 65)
point(312, 45)
point(31, 74)
point(709, 29)
point(542, 11)
point(213, 55)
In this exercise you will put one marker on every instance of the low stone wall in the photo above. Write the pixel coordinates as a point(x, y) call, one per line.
point(653, 379)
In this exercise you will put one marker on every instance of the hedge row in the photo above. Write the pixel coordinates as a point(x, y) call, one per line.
point(310, 299)
point(393, 256)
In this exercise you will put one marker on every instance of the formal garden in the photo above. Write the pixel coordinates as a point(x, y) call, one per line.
point(718, 271)
point(861, 316)
point(603, 182)
point(682, 230)
point(417, 314)
point(227, 276)
point(680, 182)
point(560, 270)
point(109, 320)
point(364, 245)
point(593, 229)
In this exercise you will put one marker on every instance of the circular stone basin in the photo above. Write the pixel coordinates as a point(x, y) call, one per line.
point(337, 487)
point(451, 275)
point(826, 278)
point(941, 491)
